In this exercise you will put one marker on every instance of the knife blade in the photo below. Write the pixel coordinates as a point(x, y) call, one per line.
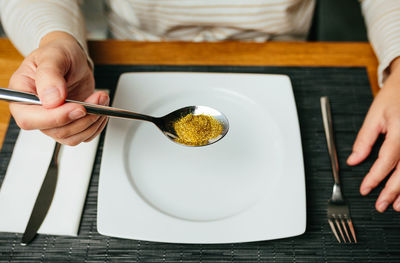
point(43, 200)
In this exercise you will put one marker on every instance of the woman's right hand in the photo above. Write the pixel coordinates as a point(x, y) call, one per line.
point(58, 70)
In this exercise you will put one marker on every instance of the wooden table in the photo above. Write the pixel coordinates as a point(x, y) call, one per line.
point(223, 53)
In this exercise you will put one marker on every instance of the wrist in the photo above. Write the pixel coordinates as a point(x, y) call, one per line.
point(395, 66)
point(57, 36)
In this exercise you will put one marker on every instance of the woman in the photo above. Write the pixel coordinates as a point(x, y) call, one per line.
point(51, 35)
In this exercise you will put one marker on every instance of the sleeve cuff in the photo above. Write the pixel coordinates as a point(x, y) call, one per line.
point(383, 68)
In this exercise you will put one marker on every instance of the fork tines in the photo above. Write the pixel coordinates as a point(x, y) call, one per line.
point(342, 225)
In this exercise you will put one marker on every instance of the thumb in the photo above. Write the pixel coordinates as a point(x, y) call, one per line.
point(50, 83)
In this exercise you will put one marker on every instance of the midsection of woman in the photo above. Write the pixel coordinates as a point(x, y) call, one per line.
point(205, 20)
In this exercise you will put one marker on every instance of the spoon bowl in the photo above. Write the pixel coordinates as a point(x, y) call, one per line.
point(165, 123)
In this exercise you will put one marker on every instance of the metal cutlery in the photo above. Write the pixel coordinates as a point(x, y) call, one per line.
point(165, 123)
point(338, 211)
point(43, 200)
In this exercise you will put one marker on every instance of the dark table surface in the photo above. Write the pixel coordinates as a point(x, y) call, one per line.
point(350, 96)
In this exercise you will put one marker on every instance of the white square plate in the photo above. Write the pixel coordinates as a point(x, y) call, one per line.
point(247, 187)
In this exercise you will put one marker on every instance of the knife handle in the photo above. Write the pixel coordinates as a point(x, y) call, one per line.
point(328, 127)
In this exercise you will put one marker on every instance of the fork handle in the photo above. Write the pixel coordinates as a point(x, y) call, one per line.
point(327, 119)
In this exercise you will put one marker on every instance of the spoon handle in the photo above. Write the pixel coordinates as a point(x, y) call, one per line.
point(18, 96)
point(28, 98)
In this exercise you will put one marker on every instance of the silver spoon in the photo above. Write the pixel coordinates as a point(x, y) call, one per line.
point(165, 123)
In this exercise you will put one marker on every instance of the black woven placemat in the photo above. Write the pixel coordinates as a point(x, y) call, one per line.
point(378, 234)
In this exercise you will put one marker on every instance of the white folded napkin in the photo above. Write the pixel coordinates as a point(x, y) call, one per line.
point(25, 174)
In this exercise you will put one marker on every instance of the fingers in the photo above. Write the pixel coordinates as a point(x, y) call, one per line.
point(366, 138)
point(35, 117)
point(23, 78)
point(83, 129)
point(396, 204)
point(78, 126)
point(85, 135)
point(50, 83)
point(390, 193)
point(68, 124)
point(29, 117)
point(388, 158)
point(99, 130)
point(51, 71)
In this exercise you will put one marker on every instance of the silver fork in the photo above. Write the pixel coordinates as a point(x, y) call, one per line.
point(338, 210)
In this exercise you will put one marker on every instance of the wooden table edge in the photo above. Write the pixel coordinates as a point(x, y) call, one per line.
point(309, 54)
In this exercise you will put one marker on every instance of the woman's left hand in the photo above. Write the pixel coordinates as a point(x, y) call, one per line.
point(383, 118)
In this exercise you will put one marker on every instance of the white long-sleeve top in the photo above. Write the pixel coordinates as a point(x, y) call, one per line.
point(27, 21)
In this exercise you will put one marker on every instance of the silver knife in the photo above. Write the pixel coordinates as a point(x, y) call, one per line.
point(43, 200)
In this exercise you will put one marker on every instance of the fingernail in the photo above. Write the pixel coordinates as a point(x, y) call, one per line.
point(365, 190)
point(76, 114)
point(397, 206)
point(104, 100)
point(50, 95)
point(352, 157)
point(382, 206)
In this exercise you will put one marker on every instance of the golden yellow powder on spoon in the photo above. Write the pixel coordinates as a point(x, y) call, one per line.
point(197, 130)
